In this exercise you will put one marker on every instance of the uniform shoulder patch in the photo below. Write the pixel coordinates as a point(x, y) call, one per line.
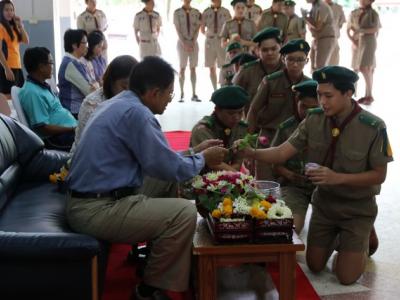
point(288, 123)
point(314, 111)
point(370, 120)
point(275, 75)
point(251, 63)
point(209, 121)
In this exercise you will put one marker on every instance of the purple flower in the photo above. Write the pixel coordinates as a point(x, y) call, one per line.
point(263, 140)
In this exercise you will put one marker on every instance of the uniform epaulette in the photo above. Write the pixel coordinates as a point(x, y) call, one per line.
point(275, 75)
point(314, 111)
point(288, 123)
point(243, 123)
point(209, 121)
point(369, 120)
point(250, 63)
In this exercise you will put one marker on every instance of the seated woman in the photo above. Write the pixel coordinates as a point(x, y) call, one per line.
point(94, 60)
point(115, 80)
point(225, 123)
point(73, 80)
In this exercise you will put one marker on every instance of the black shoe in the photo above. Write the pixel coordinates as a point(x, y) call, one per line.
point(182, 99)
point(157, 295)
point(195, 98)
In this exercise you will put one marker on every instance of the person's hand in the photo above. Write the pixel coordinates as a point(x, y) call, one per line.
point(207, 144)
point(188, 46)
point(323, 176)
point(214, 155)
point(9, 74)
point(296, 178)
point(236, 37)
point(18, 22)
point(246, 152)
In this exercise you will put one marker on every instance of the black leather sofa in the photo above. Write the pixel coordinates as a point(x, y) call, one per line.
point(40, 257)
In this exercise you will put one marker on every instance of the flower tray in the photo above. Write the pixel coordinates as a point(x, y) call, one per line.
point(230, 232)
point(273, 231)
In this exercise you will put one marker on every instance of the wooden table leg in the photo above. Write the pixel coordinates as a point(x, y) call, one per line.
point(287, 276)
point(207, 278)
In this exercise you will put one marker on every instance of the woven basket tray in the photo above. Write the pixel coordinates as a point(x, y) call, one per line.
point(230, 232)
point(273, 231)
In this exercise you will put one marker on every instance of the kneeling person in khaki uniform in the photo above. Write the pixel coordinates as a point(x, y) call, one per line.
point(352, 148)
point(147, 26)
point(225, 123)
point(108, 198)
point(296, 188)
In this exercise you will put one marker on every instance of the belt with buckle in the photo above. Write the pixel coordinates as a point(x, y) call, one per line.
point(116, 194)
point(145, 41)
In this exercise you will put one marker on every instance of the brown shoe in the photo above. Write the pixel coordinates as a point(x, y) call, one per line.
point(373, 242)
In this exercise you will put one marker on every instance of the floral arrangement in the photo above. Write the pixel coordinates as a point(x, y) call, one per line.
point(231, 196)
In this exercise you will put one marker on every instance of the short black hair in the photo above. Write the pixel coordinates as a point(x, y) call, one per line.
point(71, 37)
point(151, 72)
point(119, 68)
point(35, 56)
point(94, 38)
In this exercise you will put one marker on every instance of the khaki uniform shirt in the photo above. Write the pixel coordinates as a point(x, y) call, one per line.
point(296, 28)
point(187, 23)
point(274, 102)
point(246, 32)
point(362, 145)
point(90, 22)
point(321, 13)
point(254, 12)
point(227, 74)
point(273, 19)
point(209, 128)
point(148, 24)
point(250, 75)
point(338, 17)
point(213, 19)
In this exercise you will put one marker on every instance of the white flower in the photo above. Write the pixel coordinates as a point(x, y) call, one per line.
point(280, 202)
point(241, 206)
point(279, 212)
point(212, 176)
point(198, 182)
point(223, 183)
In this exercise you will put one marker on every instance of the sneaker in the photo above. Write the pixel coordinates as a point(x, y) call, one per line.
point(195, 98)
point(182, 99)
point(157, 295)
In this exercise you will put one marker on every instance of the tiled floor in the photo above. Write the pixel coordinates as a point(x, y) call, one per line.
point(382, 277)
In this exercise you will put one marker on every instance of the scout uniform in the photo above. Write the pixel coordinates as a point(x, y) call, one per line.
point(324, 40)
point(245, 28)
point(251, 74)
point(228, 71)
point(296, 26)
point(364, 52)
point(92, 21)
point(148, 25)
point(229, 97)
point(187, 23)
point(273, 103)
point(253, 12)
point(297, 195)
point(242, 59)
point(213, 19)
point(353, 145)
point(270, 18)
point(338, 20)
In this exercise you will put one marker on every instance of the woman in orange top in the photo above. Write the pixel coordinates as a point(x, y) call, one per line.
point(12, 33)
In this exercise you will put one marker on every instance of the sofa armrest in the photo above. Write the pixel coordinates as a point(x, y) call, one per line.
point(72, 246)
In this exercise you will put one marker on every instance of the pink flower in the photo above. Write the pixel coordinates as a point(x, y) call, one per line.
point(263, 140)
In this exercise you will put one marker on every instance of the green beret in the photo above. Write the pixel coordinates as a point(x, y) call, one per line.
point(289, 3)
point(307, 88)
point(295, 45)
point(267, 33)
point(234, 2)
point(243, 58)
point(230, 97)
point(233, 46)
point(335, 74)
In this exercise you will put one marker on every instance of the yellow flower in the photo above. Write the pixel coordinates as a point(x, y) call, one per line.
point(257, 213)
point(261, 215)
point(216, 213)
point(228, 210)
point(227, 201)
point(267, 205)
point(53, 178)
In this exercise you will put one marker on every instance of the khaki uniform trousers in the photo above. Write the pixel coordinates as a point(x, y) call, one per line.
point(149, 48)
point(169, 223)
point(321, 51)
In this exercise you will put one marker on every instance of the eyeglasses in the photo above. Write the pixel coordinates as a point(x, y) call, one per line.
point(298, 60)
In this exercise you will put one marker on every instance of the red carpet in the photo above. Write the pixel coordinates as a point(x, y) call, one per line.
point(121, 277)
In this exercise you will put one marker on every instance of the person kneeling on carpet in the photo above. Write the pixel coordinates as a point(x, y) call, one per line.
point(225, 123)
point(122, 144)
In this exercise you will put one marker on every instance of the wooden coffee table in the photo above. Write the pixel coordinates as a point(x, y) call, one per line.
point(211, 256)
